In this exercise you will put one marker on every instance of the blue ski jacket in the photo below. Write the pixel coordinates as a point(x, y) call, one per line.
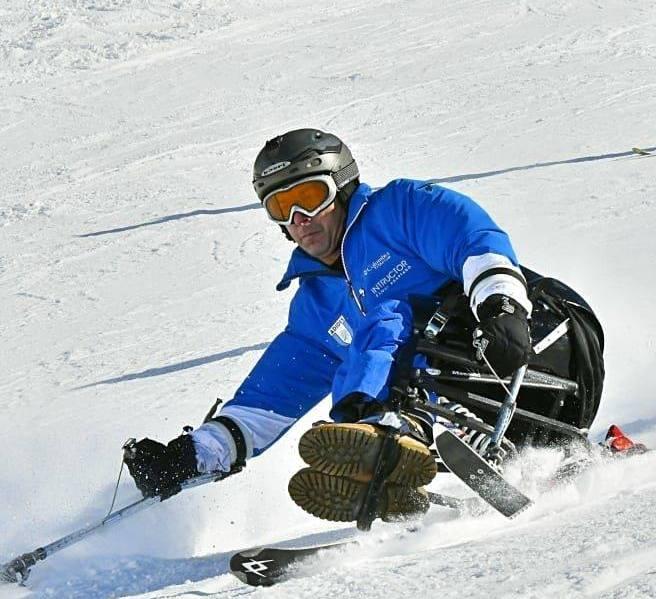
point(344, 329)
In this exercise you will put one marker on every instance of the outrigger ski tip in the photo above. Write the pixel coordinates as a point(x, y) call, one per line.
point(18, 569)
point(480, 476)
point(474, 470)
point(642, 151)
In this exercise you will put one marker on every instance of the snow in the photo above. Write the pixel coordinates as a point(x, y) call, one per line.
point(137, 271)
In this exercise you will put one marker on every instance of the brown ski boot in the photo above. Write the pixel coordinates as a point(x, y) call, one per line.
point(340, 499)
point(343, 458)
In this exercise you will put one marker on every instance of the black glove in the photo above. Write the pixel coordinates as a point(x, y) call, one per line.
point(502, 334)
point(159, 469)
point(355, 407)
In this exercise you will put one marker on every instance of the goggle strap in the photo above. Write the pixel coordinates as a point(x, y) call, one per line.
point(346, 175)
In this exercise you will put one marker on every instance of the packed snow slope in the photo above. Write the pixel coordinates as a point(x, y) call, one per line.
point(137, 270)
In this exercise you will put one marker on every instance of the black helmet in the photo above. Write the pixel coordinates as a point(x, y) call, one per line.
point(299, 154)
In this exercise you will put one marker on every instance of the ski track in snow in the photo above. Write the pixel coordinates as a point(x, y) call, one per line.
point(137, 273)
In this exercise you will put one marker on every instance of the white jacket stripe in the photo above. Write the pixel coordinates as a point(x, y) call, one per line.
point(500, 283)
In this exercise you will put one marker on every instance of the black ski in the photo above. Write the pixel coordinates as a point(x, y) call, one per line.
point(264, 566)
point(479, 476)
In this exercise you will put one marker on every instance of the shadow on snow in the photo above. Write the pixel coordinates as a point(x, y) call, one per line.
point(453, 179)
point(150, 372)
point(103, 577)
point(535, 165)
point(173, 217)
point(98, 577)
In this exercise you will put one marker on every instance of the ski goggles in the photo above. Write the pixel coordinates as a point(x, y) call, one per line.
point(307, 196)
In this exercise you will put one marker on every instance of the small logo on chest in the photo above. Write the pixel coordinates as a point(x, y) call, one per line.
point(377, 263)
point(341, 331)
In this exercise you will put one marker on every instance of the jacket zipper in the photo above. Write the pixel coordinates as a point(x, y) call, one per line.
point(346, 275)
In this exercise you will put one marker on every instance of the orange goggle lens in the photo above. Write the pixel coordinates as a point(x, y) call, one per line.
point(309, 196)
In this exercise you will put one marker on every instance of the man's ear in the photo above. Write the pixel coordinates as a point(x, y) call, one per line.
point(285, 232)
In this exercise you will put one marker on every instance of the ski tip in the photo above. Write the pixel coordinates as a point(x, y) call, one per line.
point(521, 510)
point(641, 152)
point(246, 567)
point(7, 576)
point(614, 431)
point(619, 443)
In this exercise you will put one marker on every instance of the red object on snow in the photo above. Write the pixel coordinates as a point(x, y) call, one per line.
point(618, 442)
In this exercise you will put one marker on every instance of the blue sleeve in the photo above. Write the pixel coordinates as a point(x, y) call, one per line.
point(370, 360)
point(445, 227)
point(291, 377)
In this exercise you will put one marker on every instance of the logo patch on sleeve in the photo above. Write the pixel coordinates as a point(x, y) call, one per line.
point(341, 331)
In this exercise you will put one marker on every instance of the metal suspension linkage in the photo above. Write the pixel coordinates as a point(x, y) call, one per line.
point(494, 451)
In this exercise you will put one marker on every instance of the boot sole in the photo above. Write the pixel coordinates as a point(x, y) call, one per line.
point(339, 499)
point(351, 451)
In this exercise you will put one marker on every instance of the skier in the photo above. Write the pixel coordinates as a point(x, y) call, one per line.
point(360, 255)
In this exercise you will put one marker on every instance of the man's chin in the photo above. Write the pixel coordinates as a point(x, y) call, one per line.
point(316, 250)
point(312, 245)
point(313, 250)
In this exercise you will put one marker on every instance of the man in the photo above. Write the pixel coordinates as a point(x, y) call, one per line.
point(359, 256)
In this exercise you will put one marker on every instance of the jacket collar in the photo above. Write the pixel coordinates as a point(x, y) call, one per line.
point(302, 264)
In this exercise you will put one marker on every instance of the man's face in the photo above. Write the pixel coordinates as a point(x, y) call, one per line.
point(320, 235)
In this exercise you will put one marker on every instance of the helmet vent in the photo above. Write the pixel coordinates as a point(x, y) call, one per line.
point(273, 144)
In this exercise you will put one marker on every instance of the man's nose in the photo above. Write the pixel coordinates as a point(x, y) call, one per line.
point(299, 218)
